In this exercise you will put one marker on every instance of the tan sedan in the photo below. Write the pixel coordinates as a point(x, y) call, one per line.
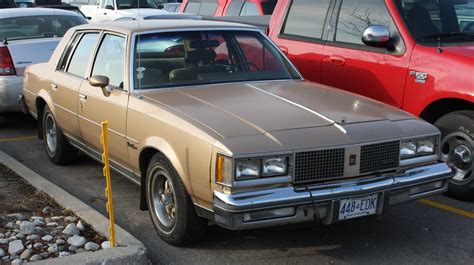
point(215, 123)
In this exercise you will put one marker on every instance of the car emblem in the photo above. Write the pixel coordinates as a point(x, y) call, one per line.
point(420, 77)
point(352, 160)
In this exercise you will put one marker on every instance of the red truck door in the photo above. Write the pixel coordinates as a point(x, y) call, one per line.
point(299, 32)
point(349, 64)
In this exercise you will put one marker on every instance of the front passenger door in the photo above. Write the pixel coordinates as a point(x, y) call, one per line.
point(94, 107)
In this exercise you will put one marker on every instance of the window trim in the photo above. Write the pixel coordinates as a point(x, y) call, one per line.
point(399, 50)
point(322, 40)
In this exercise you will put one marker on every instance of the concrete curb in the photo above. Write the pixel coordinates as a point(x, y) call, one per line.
point(130, 249)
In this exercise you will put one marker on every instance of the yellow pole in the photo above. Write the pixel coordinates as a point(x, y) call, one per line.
point(104, 140)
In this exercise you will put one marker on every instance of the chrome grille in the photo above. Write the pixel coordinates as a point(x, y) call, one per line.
point(319, 165)
point(379, 157)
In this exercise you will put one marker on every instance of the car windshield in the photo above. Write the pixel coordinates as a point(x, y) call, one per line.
point(205, 57)
point(33, 27)
point(128, 4)
point(449, 21)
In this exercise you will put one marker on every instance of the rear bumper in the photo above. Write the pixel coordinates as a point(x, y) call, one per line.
point(10, 90)
point(323, 201)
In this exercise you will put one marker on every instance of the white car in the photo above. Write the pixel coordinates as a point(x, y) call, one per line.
point(111, 10)
point(28, 36)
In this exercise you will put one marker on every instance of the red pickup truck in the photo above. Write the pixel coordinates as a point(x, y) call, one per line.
point(417, 55)
point(220, 8)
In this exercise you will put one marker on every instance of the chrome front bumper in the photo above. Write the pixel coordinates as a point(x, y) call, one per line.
point(322, 201)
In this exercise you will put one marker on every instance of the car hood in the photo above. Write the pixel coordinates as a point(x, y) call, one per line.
point(257, 108)
point(466, 52)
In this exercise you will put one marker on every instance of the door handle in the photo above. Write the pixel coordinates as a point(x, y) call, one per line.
point(54, 87)
point(105, 13)
point(336, 60)
point(82, 97)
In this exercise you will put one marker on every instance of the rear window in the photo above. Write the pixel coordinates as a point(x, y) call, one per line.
point(6, 3)
point(34, 27)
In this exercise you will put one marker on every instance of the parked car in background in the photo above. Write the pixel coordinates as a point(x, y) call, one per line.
point(28, 36)
point(163, 16)
point(110, 10)
point(416, 55)
point(214, 123)
point(7, 4)
point(68, 7)
point(171, 7)
point(220, 8)
point(35, 3)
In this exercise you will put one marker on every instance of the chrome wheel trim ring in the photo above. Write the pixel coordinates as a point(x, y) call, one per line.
point(51, 133)
point(163, 198)
point(457, 150)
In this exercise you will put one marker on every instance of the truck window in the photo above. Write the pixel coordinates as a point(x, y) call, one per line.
point(234, 8)
point(82, 54)
point(110, 59)
point(192, 7)
point(108, 3)
point(208, 9)
point(305, 18)
point(250, 9)
point(356, 15)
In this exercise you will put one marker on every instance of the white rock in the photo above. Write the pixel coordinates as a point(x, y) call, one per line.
point(2, 253)
point(57, 218)
point(27, 228)
point(26, 254)
point(33, 237)
point(80, 226)
point(52, 224)
point(53, 249)
point(2, 235)
point(77, 241)
point(72, 248)
point(36, 257)
point(17, 216)
point(37, 218)
point(70, 219)
point(91, 246)
point(47, 238)
point(4, 241)
point(44, 254)
point(15, 247)
point(38, 222)
point(16, 262)
point(10, 225)
point(20, 235)
point(37, 245)
point(64, 254)
point(12, 238)
point(60, 242)
point(71, 230)
point(105, 244)
point(29, 246)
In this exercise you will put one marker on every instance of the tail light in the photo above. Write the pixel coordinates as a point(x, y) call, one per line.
point(6, 62)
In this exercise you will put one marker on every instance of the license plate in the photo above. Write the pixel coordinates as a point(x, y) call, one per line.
point(356, 207)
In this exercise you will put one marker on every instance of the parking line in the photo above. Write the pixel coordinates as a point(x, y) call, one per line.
point(24, 138)
point(447, 208)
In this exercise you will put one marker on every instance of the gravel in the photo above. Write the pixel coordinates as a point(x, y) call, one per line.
point(77, 241)
point(71, 230)
point(26, 254)
point(36, 257)
point(2, 253)
point(47, 238)
point(91, 246)
point(15, 247)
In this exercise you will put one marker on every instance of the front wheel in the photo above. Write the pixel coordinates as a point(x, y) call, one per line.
point(170, 206)
point(457, 149)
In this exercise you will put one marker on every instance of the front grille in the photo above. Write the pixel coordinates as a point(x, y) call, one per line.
point(379, 157)
point(319, 165)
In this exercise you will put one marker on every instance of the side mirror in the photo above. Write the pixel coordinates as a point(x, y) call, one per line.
point(102, 82)
point(109, 7)
point(376, 36)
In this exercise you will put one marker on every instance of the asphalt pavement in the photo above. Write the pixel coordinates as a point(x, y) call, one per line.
point(435, 231)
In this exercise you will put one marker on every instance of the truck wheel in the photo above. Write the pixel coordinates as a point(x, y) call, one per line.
point(59, 151)
point(457, 149)
point(170, 206)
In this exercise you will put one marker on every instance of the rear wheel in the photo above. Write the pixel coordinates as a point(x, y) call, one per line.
point(57, 147)
point(170, 206)
point(457, 149)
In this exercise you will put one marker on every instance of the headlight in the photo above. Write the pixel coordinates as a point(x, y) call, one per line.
point(418, 147)
point(274, 166)
point(247, 169)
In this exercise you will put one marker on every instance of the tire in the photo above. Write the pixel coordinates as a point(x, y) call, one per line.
point(58, 149)
point(457, 149)
point(171, 209)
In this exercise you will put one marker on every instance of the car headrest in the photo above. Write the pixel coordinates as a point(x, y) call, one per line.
point(200, 56)
point(203, 44)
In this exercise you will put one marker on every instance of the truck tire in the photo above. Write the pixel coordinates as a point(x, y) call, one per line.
point(457, 149)
point(58, 149)
point(171, 209)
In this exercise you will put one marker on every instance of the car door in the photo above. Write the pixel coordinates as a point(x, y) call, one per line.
point(66, 80)
point(95, 107)
point(301, 35)
point(349, 64)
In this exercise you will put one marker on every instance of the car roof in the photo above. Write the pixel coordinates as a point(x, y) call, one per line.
point(129, 27)
point(26, 12)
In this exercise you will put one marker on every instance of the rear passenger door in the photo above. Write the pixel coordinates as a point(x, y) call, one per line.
point(301, 35)
point(349, 64)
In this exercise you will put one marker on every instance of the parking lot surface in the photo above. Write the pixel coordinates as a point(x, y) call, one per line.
point(436, 231)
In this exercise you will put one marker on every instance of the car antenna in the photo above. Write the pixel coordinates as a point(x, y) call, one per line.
point(5, 41)
point(439, 44)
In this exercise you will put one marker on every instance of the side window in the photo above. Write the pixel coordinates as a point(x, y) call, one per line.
point(109, 3)
point(356, 15)
point(110, 59)
point(250, 9)
point(207, 9)
point(306, 18)
point(192, 7)
point(259, 58)
point(234, 8)
point(67, 53)
point(82, 54)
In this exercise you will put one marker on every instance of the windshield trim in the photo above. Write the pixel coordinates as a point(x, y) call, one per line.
point(291, 67)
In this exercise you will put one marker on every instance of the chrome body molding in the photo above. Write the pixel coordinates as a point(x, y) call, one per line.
point(324, 199)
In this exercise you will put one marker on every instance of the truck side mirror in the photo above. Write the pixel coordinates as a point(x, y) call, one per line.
point(102, 82)
point(376, 36)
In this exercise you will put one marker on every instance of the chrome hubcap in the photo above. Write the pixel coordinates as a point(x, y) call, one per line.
point(457, 151)
point(163, 199)
point(51, 136)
